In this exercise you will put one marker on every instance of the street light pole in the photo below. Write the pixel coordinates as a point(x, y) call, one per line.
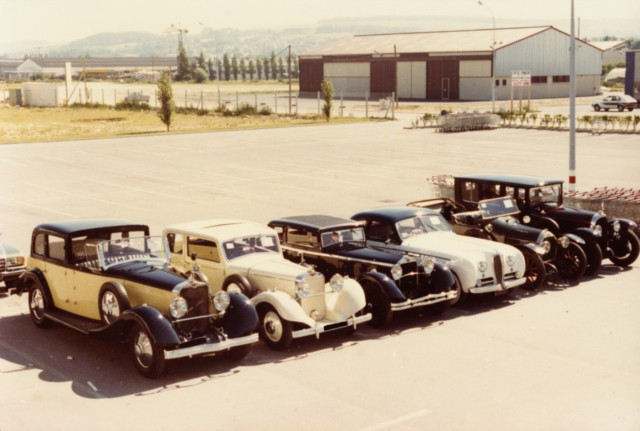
point(572, 106)
point(493, 58)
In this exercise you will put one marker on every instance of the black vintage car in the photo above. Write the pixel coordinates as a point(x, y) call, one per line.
point(109, 278)
point(391, 281)
point(540, 204)
point(497, 220)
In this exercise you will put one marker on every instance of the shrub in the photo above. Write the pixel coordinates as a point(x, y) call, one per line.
point(200, 75)
point(132, 106)
point(265, 110)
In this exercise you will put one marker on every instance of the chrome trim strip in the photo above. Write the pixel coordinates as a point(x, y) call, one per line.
point(202, 349)
point(497, 287)
point(320, 326)
point(425, 300)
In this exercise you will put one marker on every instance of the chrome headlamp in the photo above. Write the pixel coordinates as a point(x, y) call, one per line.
point(221, 300)
point(546, 245)
point(597, 229)
point(564, 241)
point(428, 263)
point(178, 307)
point(526, 219)
point(19, 260)
point(616, 226)
point(482, 266)
point(302, 287)
point(336, 282)
point(396, 272)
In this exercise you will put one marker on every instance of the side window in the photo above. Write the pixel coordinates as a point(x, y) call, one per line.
point(470, 191)
point(204, 249)
point(490, 191)
point(176, 241)
point(301, 237)
point(377, 231)
point(56, 248)
point(280, 231)
point(39, 244)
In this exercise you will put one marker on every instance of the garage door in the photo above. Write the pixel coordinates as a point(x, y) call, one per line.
point(349, 79)
point(412, 79)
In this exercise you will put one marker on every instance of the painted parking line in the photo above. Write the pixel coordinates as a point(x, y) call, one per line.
point(7, 200)
point(84, 196)
point(397, 421)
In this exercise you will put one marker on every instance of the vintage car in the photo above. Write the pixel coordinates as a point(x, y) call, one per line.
point(619, 102)
point(540, 204)
point(392, 281)
point(11, 265)
point(108, 277)
point(497, 219)
point(479, 266)
point(292, 300)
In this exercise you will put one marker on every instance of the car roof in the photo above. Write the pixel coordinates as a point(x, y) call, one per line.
point(221, 229)
point(393, 214)
point(76, 227)
point(316, 222)
point(511, 180)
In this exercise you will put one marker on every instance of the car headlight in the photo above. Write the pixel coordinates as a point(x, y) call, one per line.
point(564, 241)
point(616, 226)
point(546, 245)
point(396, 272)
point(511, 260)
point(428, 264)
point(597, 229)
point(221, 300)
point(526, 219)
point(482, 266)
point(19, 260)
point(336, 282)
point(178, 307)
point(302, 287)
point(488, 228)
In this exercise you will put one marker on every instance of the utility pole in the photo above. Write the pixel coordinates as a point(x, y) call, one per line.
point(572, 106)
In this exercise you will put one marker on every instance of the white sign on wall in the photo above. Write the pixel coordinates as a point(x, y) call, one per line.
point(520, 78)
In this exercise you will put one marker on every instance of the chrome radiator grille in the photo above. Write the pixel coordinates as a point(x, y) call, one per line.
point(316, 299)
point(497, 267)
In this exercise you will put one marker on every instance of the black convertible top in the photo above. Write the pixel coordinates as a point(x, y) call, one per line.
point(76, 227)
point(315, 222)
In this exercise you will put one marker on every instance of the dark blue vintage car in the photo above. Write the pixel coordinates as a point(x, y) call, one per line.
point(108, 277)
point(391, 281)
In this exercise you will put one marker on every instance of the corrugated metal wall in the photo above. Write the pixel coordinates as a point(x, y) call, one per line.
point(475, 68)
point(443, 80)
point(412, 79)
point(311, 75)
point(349, 79)
point(383, 77)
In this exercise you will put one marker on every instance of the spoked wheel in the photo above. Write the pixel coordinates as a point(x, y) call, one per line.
point(113, 302)
point(274, 330)
point(594, 257)
point(573, 264)
point(627, 253)
point(535, 272)
point(37, 306)
point(147, 356)
point(378, 305)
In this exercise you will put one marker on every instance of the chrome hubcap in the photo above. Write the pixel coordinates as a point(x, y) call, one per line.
point(37, 303)
point(142, 349)
point(273, 326)
point(110, 307)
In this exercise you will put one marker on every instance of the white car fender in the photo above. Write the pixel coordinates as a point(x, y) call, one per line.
point(466, 272)
point(287, 307)
point(346, 303)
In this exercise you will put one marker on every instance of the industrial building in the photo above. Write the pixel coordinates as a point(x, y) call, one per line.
point(452, 65)
point(632, 77)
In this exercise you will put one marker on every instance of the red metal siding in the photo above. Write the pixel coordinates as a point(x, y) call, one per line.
point(383, 76)
point(443, 80)
point(311, 75)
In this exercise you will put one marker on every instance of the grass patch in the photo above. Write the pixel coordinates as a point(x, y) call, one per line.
point(54, 124)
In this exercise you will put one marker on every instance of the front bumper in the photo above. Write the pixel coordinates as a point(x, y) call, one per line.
point(12, 273)
point(433, 298)
point(499, 287)
point(324, 326)
point(211, 347)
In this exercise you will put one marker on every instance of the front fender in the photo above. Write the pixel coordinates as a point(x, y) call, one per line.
point(34, 276)
point(341, 305)
point(158, 326)
point(466, 272)
point(576, 239)
point(533, 247)
point(441, 279)
point(388, 286)
point(241, 317)
point(625, 226)
point(285, 305)
point(587, 234)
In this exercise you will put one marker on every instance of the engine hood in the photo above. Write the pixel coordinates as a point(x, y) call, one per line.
point(369, 254)
point(515, 230)
point(582, 217)
point(453, 246)
point(143, 273)
point(8, 251)
point(270, 265)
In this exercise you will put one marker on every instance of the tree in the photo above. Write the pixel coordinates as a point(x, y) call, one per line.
point(234, 67)
point(182, 73)
point(272, 65)
point(226, 66)
point(243, 69)
point(211, 70)
point(251, 69)
point(202, 64)
point(326, 88)
point(165, 95)
point(281, 67)
point(259, 68)
point(200, 75)
point(265, 66)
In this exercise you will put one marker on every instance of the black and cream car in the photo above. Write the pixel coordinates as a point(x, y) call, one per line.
point(109, 276)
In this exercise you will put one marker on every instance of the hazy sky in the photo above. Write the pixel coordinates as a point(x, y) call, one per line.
point(56, 21)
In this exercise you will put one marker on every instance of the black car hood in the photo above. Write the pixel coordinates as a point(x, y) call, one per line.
point(515, 230)
point(143, 273)
point(366, 254)
point(582, 217)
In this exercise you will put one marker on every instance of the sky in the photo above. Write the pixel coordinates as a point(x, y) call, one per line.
point(61, 21)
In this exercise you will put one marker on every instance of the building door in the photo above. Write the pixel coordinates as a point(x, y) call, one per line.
point(439, 70)
point(445, 88)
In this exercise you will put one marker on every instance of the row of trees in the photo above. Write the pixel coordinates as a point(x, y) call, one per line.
point(201, 69)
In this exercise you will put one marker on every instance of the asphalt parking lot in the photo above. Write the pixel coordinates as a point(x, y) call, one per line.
point(565, 358)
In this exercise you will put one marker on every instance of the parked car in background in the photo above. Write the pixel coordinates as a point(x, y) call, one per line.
point(479, 266)
point(136, 97)
point(109, 276)
point(497, 220)
point(292, 300)
point(541, 206)
point(619, 102)
point(392, 281)
point(12, 265)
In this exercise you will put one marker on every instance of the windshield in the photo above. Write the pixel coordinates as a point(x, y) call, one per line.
point(152, 249)
point(250, 244)
point(545, 194)
point(498, 207)
point(422, 224)
point(342, 236)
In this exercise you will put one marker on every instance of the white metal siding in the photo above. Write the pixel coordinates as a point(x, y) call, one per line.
point(547, 53)
point(475, 88)
point(475, 68)
point(412, 79)
point(349, 79)
point(347, 69)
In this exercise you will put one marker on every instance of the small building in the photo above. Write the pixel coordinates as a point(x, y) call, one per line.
point(452, 65)
point(632, 75)
point(99, 65)
point(613, 51)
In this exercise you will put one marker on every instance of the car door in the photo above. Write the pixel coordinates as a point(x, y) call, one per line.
point(53, 252)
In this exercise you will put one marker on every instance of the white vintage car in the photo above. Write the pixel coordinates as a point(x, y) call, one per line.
point(480, 266)
point(292, 300)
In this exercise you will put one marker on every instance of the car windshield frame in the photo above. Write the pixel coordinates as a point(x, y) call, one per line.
point(152, 250)
point(498, 207)
point(345, 236)
point(422, 224)
point(547, 194)
point(250, 244)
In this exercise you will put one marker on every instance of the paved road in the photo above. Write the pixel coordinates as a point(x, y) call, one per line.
point(567, 358)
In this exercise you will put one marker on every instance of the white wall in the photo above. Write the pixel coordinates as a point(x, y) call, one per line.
point(349, 79)
point(412, 79)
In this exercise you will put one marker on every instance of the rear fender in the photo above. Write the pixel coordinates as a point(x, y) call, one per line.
point(287, 307)
point(158, 326)
point(241, 317)
point(347, 302)
point(386, 284)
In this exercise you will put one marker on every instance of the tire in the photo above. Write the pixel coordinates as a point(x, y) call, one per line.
point(240, 352)
point(634, 248)
point(462, 295)
point(573, 264)
point(535, 272)
point(38, 305)
point(378, 305)
point(606, 109)
point(630, 109)
point(147, 356)
point(596, 108)
point(239, 285)
point(276, 332)
point(620, 108)
point(112, 301)
point(594, 257)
